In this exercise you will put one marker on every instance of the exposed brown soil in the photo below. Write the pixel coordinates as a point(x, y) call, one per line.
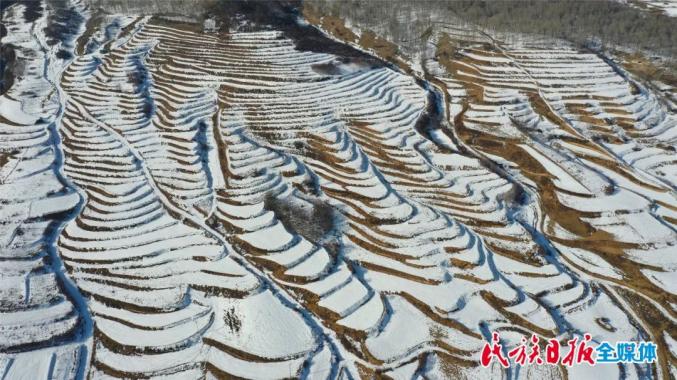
point(647, 69)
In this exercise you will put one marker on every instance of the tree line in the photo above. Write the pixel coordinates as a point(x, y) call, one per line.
point(610, 22)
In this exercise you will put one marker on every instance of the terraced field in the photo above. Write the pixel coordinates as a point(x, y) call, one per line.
point(274, 202)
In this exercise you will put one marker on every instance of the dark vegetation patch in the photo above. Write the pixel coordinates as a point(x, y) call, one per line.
point(314, 219)
point(64, 54)
point(187, 9)
point(232, 320)
point(168, 20)
point(7, 62)
point(140, 78)
point(613, 23)
point(283, 16)
point(4, 4)
point(63, 23)
point(86, 43)
point(5, 156)
point(329, 68)
point(202, 150)
point(32, 11)
point(32, 8)
point(8, 65)
point(335, 67)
